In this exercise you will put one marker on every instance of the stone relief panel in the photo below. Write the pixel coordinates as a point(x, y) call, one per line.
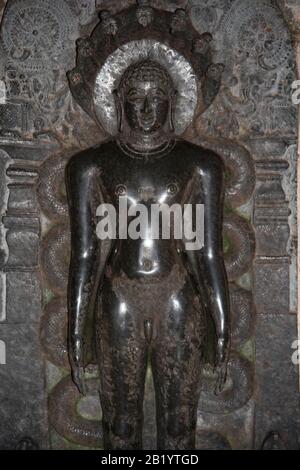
point(252, 124)
point(256, 81)
point(259, 69)
point(38, 45)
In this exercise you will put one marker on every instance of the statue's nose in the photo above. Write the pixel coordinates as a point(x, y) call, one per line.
point(146, 106)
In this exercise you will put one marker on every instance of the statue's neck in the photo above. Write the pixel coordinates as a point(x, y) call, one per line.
point(145, 143)
point(146, 146)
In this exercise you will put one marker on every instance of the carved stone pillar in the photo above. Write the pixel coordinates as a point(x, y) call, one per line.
point(22, 393)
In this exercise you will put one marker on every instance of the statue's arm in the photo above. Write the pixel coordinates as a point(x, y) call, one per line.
point(212, 179)
point(207, 264)
point(81, 191)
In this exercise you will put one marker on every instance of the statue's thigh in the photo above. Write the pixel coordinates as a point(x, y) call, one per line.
point(177, 353)
point(121, 353)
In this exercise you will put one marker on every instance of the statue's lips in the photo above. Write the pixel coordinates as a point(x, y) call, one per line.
point(147, 121)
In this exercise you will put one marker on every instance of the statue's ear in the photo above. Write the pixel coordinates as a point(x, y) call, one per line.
point(173, 102)
point(119, 109)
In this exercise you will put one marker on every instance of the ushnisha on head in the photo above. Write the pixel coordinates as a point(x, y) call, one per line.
point(145, 100)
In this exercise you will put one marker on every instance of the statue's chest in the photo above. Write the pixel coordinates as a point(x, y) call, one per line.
point(157, 182)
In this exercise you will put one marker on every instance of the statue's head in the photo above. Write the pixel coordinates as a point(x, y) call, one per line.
point(146, 98)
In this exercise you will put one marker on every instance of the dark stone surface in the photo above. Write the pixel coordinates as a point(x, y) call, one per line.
point(23, 296)
point(271, 280)
point(23, 248)
point(208, 440)
point(22, 391)
point(4, 159)
point(272, 239)
point(149, 431)
point(277, 387)
point(22, 198)
point(35, 150)
point(236, 428)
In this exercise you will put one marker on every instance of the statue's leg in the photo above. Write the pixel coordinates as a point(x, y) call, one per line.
point(122, 358)
point(177, 357)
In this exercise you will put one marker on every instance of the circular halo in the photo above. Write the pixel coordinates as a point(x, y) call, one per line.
point(180, 70)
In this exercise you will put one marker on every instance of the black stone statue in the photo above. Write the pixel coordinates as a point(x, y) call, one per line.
point(147, 298)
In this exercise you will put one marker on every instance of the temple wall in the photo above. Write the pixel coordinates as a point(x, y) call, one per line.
point(252, 124)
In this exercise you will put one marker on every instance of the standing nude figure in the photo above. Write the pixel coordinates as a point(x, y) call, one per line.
point(149, 297)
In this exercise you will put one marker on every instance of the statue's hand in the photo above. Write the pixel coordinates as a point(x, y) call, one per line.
point(79, 379)
point(221, 364)
point(77, 362)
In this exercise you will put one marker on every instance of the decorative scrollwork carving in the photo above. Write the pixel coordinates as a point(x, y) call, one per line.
point(35, 34)
point(256, 84)
point(257, 27)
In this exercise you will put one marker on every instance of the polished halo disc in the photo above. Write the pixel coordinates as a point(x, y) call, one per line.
point(179, 68)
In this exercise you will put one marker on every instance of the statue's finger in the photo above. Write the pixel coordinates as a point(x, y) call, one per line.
point(82, 381)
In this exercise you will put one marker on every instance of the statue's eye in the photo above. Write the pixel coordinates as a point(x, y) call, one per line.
point(172, 188)
point(136, 99)
point(121, 190)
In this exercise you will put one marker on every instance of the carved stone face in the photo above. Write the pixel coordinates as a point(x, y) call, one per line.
point(146, 106)
point(145, 98)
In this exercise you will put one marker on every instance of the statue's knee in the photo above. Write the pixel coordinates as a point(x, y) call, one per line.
point(122, 429)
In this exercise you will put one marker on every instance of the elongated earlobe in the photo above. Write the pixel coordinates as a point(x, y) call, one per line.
point(119, 108)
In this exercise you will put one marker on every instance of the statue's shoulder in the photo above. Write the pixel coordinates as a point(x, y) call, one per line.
point(203, 157)
point(92, 157)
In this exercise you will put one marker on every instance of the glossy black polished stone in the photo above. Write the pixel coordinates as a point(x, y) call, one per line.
point(146, 297)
